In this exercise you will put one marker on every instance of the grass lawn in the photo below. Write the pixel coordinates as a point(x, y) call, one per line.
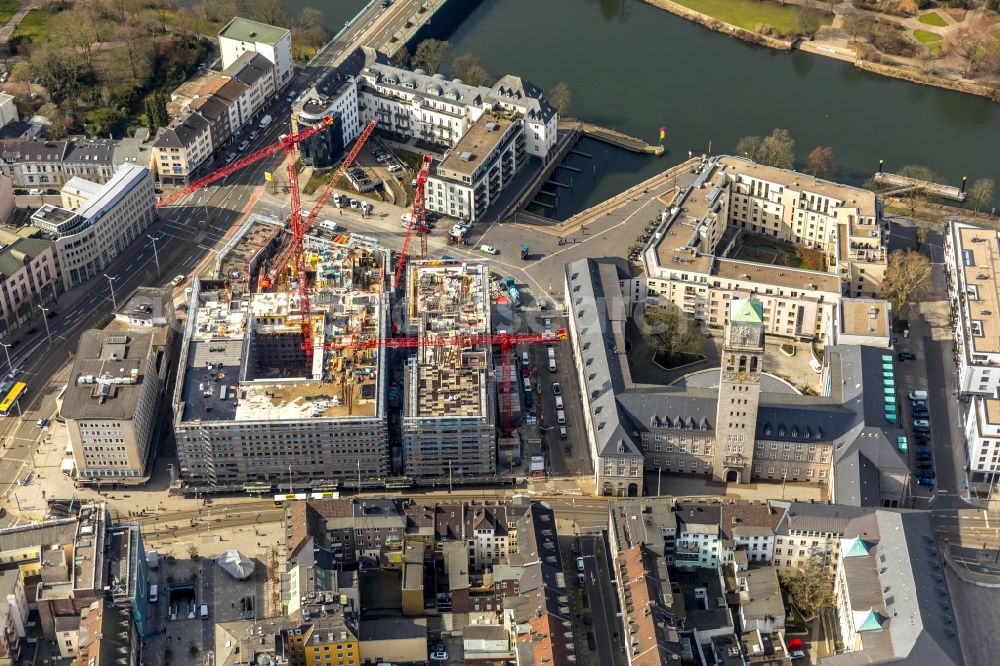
point(932, 18)
point(7, 10)
point(34, 24)
point(765, 250)
point(926, 36)
point(748, 14)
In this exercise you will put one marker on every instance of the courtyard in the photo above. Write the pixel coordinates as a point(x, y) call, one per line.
point(767, 250)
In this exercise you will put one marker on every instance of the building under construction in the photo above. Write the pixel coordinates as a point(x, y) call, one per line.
point(250, 406)
point(448, 423)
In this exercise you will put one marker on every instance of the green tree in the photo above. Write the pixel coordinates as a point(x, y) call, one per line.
point(430, 54)
point(560, 97)
point(669, 333)
point(162, 116)
point(981, 192)
point(468, 68)
point(809, 586)
point(906, 277)
point(819, 162)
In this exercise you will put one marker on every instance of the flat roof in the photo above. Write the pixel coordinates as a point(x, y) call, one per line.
point(864, 316)
point(978, 257)
point(778, 276)
point(109, 370)
point(992, 406)
point(851, 197)
point(246, 30)
point(476, 145)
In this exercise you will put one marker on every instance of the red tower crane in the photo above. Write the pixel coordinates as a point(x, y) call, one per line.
point(416, 219)
point(285, 142)
point(506, 341)
point(281, 260)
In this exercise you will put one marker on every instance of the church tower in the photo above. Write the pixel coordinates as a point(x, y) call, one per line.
point(739, 392)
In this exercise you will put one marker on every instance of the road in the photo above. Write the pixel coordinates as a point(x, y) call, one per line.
point(603, 600)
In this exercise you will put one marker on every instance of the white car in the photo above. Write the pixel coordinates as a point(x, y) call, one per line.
point(407, 218)
point(440, 655)
point(488, 249)
point(265, 121)
point(177, 280)
point(243, 146)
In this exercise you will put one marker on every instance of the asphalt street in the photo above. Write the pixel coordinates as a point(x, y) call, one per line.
point(603, 601)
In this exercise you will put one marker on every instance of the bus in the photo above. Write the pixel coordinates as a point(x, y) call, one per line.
point(12, 393)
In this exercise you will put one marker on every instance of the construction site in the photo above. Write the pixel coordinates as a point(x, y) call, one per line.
point(257, 401)
point(448, 424)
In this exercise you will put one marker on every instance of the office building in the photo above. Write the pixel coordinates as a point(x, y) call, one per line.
point(241, 36)
point(972, 260)
point(448, 419)
point(847, 438)
point(111, 404)
point(89, 238)
point(249, 405)
point(29, 276)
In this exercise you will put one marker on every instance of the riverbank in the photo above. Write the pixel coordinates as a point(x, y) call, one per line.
point(835, 50)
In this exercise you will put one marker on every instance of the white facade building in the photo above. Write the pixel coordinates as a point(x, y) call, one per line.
point(982, 440)
point(181, 148)
point(972, 259)
point(88, 239)
point(241, 35)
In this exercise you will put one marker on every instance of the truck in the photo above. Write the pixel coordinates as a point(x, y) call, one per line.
point(515, 296)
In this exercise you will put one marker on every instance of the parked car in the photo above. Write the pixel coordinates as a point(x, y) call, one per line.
point(924, 464)
point(579, 564)
point(921, 414)
point(253, 135)
point(906, 356)
point(488, 249)
point(230, 157)
point(925, 480)
point(921, 423)
point(265, 121)
point(919, 404)
point(917, 395)
point(439, 656)
point(556, 388)
point(562, 432)
point(243, 146)
point(41, 423)
point(406, 217)
point(355, 203)
point(923, 454)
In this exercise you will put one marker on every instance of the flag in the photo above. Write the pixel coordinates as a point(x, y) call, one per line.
point(663, 133)
point(267, 176)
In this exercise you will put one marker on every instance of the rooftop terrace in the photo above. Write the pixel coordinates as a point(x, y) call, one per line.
point(979, 252)
point(476, 145)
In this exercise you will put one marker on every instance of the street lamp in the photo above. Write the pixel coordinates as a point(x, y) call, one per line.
point(45, 320)
point(156, 257)
point(111, 281)
point(6, 351)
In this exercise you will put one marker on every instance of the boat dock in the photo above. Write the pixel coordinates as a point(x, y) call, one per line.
point(613, 137)
point(897, 184)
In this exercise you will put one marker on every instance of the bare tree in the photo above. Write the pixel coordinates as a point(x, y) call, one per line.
point(819, 162)
point(808, 21)
point(809, 586)
point(776, 149)
point(981, 192)
point(82, 31)
point(560, 97)
point(905, 278)
point(974, 41)
point(670, 333)
point(916, 196)
point(468, 68)
point(429, 55)
point(856, 25)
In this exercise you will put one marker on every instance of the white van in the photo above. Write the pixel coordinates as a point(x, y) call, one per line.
point(560, 417)
point(525, 359)
point(154, 593)
point(204, 611)
point(552, 365)
point(918, 395)
point(329, 225)
point(559, 402)
point(265, 121)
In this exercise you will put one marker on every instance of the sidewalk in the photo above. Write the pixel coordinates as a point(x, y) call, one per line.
point(7, 31)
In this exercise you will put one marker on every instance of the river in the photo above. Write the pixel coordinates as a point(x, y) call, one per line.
point(636, 68)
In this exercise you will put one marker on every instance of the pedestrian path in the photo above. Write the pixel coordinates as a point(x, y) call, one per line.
point(7, 31)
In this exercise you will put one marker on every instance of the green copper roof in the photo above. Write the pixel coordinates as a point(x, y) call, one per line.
point(868, 620)
point(246, 30)
point(854, 548)
point(747, 311)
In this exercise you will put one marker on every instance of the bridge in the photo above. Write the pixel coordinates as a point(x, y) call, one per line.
point(897, 184)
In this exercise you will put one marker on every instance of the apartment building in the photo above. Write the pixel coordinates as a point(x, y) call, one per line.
point(38, 163)
point(13, 614)
point(698, 536)
point(87, 239)
point(29, 276)
point(982, 442)
point(257, 73)
point(481, 164)
point(654, 613)
point(972, 261)
point(694, 259)
point(249, 404)
point(180, 148)
point(481, 135)
point(808, 530)
point(862, 321)
point(770, 434)
point(448, 419)
point(241, 36)
point(111, 404)
point(892, 600)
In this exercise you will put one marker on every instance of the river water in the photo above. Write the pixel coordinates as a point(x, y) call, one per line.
point(636, 68)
